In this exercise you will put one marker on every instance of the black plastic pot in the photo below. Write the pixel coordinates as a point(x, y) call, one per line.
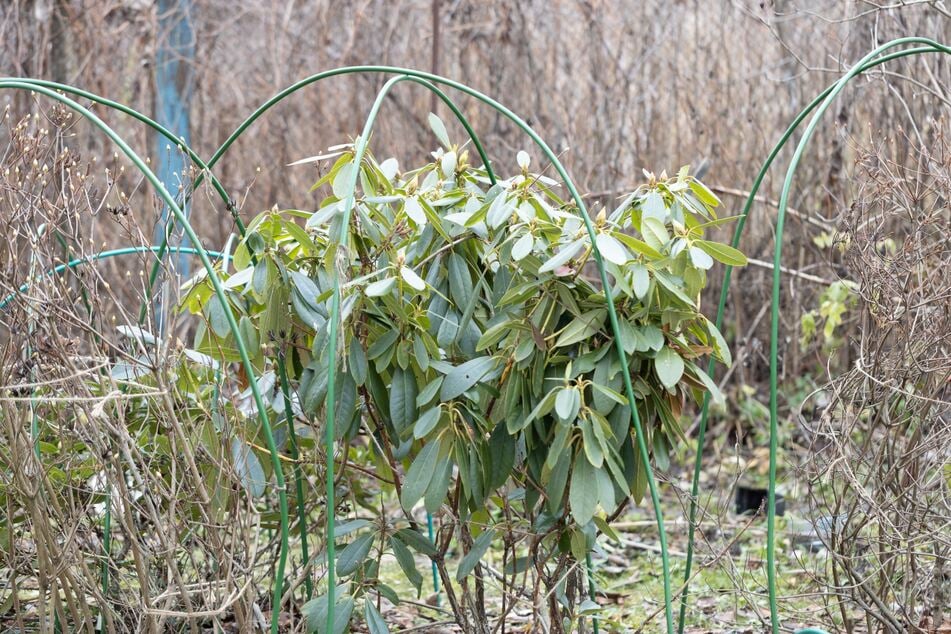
point(751, 500)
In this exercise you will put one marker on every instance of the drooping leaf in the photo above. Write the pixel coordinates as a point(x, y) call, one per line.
point(217, 317)
point(420, 474)
point(564, 254)
point(248, 467)
point(416, 540)
point(356, 552)
point(373, 618)
point(461, 378)
point(582, 327)
point(403, 393)
point(669, 366)
point(427, 422)
point(349, 526)
point(640, 280)
point(406, 561)
point(583, 493)
point(500, 210)
point(474, 556)
point(315, 613)
point(567, 404)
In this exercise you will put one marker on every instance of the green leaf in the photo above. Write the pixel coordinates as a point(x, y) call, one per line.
point(593, 449)
point(720, 347)
point(706, 196)
point(420, 474)
point(447, 164)
point(218, 318)
point(722, 253)
point(429, 391)
point(357, 360)
point(611, 394)
point(523, 246)
point(500, 210)
point(403, 392)
point(410, 277)
point(380, 287)
point(639, 246)
point(564, 254)
point(427, 422)
point(373, 618)
point(700, 258)
point(304, 285)
point(654, 207)
point(611, 250)
point(407, 562)
point(670, 284)
point(555, 486)
point(414, 210)
point(248, 467)
point(669, 366)
point(461, 378)
point(460, 283)
point(345, 528)
point(472, 558)
point(382, 344)
point(655, 233)
point(640, 280)
point(315, 613)
point(715, 394)
point(417, 541)
point(567, 404)
point(605, 528)
point(439, 129)
point(438, 487)
point(582, 327)
point(541, 409)
point(354, 554)
point(583, 494)
point(494, 334)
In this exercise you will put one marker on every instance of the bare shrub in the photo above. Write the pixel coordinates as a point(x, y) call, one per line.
point(879, 471)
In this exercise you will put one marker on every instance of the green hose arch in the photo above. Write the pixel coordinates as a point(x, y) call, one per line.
point(822, 101)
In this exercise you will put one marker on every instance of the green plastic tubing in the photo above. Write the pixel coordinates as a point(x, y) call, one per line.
point(202, 253)
point(865, 64)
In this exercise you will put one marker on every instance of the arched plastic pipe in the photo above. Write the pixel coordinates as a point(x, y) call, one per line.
point(202, 253)
point(774, 316)
point(869, 61)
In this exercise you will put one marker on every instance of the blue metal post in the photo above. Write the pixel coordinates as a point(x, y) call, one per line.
point(174, 86)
